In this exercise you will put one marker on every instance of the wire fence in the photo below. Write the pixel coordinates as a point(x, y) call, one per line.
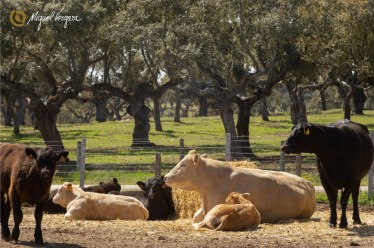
point(92, 162)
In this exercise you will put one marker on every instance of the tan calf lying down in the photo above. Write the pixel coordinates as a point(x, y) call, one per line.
point(237, 214)
point(94, 206)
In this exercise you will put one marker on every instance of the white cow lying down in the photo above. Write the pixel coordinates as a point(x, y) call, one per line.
point(276, 195)
point(237, 214)
point(94, 206)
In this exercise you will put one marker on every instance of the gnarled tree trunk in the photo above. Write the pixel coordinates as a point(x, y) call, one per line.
point(264, 109)
point(102, 112)
point(156, 113)
point(295, 108)
point(203, 106)
point(242, 127)
point(140, 112)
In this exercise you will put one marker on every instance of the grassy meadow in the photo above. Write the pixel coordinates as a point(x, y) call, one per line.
point(109, 153)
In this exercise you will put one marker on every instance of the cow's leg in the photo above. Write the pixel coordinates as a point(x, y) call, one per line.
point(17, 217)
point(332, 195)
point(38, 223)
point(198, 216)
point(355, 193)
point(344, 202)
point(5, 213)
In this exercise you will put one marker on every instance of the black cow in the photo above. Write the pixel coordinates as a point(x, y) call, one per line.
point(53, 208)
point(26, 176)
point(159, 198)
point(344, 155)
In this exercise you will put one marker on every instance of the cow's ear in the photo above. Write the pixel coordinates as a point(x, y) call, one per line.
point(115, 181)
point(162, 178)
point(141, 185)
point(61, 156)
point(30, 153)
point(246, 195)
point(163, 185)
point(196, 159)
point(69, 187)
point(306, 130)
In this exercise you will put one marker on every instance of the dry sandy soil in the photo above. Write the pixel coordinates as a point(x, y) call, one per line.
point(315, 232)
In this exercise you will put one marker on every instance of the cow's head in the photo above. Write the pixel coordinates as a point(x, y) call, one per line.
point(300, 139)
point(153, 188)
point(237, 198)
point(64, 195)
point(185, 172)
point(110, 186)
point(46, 160)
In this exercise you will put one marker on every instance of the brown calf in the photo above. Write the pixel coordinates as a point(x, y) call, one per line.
point(26, 176)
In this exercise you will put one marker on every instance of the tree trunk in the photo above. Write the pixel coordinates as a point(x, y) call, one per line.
point(322, 93)
point(203, 107)
point(302, 105)
point(186, 110)
point(242, 128)
point(346, 100)
point(227, 117)
point(140, 112)
point(19, 113)
point(156, 113)
point(359, 99)
point(9, 110)
point(264, 109)
point(46, 117)
point(295, 109)
point(102, 112)
point(178, 105)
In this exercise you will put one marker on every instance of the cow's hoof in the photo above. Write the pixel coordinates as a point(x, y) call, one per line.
point(6, 239)
point(39, 242)
point(357, 222)
point(332, 225)
point(343, 226)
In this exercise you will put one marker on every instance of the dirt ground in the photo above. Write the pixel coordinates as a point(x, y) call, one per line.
point(315, 232)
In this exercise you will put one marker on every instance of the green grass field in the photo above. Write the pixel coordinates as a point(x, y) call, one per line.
point(108, 144)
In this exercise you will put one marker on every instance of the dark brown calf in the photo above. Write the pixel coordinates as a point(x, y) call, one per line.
point(104, 188)
point(26, 176)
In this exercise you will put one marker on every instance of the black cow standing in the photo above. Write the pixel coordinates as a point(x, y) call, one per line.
point(344, 153)
point(159, 198)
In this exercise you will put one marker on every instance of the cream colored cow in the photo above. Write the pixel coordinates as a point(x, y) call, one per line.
point(237, 214)
point(94, 206)
point(276, 195)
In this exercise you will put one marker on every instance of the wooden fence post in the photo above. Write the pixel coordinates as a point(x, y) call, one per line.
point(79, 149)
point(82, 162)
point(158, 165)
point(181, 149)
point(282, 161)
point(370, 176)
point(298, 164)
point(228, 147)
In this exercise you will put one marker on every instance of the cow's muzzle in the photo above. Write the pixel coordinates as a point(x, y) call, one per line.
point(285, 148)
point(46, 175)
